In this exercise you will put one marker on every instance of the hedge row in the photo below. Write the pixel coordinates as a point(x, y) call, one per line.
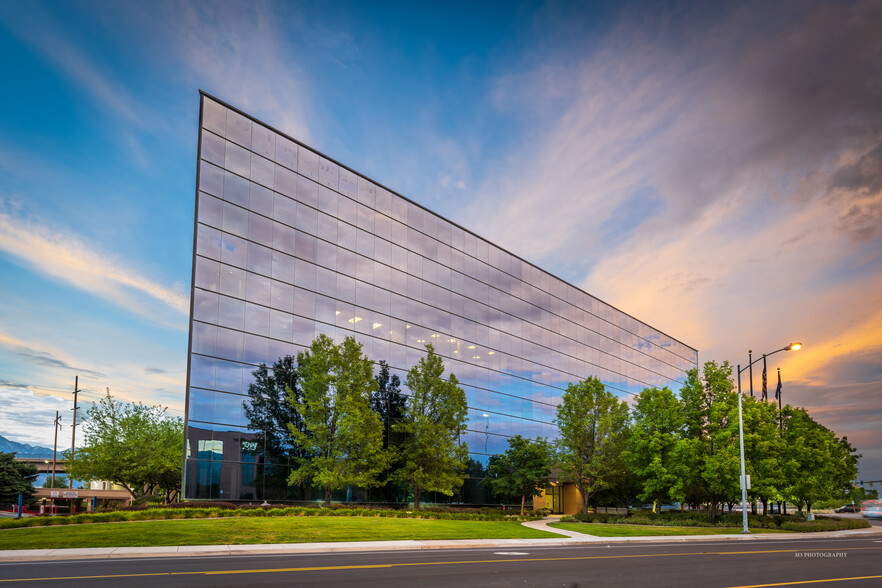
point(686, 519)
point(225, 510)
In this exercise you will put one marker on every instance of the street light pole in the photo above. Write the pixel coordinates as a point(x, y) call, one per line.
point(791, 347)
point(744, 528)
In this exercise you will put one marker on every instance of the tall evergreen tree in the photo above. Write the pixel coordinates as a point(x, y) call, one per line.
point(388, 402)
point(269, 414)
point(15, 478)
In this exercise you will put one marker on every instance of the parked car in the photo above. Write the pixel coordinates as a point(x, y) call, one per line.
point(848, 508)
point(872, 509)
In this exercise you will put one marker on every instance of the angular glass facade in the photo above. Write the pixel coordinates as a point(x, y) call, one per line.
point(289, 244)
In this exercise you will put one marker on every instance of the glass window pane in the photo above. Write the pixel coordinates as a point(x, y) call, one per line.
point(283, 238)
point(282, 296)
point(207, 274)
point(263, 141)
point(233, 250)
point(255, 349)
point(283, 267)
point(238, 129)
point(236, 189)
point(284, 209)
point(304, 274)
point(281, 325)
point(229, 344)
point(286, 152)
point(212, 148)
point(237, 159)
point(308, 164)
point(232, 281)
point(348, 183)
point(260, 229)
point(231, 312)
point(235, 220)
point(210, 210)
point(261, 200)
point(262, 171)
point(214, 116)
point(211, 179)
point(258, 288)
point(307, 192)
point(204, 306)
point(204, 338)
point(256, 319)
point(328, 173)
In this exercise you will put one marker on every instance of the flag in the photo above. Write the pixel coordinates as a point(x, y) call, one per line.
point(778, 389)
point(765, 388)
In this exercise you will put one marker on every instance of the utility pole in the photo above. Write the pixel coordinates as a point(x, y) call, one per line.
point(73, 435)
point(55, 449)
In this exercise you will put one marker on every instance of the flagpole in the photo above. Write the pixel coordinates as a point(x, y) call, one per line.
point(765, 381)
point(750, 369)
point(778, 394)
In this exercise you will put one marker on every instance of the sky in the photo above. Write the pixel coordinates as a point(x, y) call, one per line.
point(714, 169)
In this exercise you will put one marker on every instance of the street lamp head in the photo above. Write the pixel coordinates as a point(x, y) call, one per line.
point(794, 346)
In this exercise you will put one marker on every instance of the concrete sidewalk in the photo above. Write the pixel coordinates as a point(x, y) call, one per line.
point(569, 538)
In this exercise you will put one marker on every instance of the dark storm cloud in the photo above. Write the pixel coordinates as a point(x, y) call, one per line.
point(794, 101)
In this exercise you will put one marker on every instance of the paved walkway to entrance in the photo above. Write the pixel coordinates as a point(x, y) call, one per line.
point(542, 525)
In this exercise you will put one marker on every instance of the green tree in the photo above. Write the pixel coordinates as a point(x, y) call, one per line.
point(15, 478)
point(709, 456)
point(655, 436)
point(434, 418)
point(763, 450)
point(592, 432)
point(341, 434)
point(522, 470)
point(821, 466)
point(136, 446)
point(60, 482)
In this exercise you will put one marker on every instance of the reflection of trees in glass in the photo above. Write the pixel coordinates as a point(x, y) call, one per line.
point(344, 435)
point(388, 402)
point(269, 411)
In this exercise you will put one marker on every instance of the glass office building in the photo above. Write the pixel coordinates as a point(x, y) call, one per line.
point(290, 244)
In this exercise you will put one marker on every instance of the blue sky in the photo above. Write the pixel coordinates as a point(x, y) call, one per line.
point(713, 169)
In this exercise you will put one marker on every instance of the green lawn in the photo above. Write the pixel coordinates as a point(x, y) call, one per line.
point(242, 531)
point(610, 530)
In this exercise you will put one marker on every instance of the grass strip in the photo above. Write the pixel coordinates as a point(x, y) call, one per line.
point(610, 530)
point(269, 530)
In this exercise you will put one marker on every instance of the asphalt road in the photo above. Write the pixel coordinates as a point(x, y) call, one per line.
point(855, 562)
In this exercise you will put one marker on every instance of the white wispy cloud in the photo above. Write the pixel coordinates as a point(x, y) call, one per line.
point(42, 32)
point(68, 257)
point(249, 55)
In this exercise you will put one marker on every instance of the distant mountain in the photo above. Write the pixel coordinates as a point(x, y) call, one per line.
point(25, 450)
